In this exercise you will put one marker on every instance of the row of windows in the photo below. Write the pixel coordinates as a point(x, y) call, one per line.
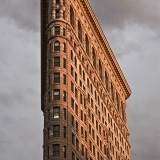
point(56, 131)
point(55, 78)
point(55, 95)
point(89, 85)
point(56, 62)
point(56, 151)
point(54, 113)
point(57, 47)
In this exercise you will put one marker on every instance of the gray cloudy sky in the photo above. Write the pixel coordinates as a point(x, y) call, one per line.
point(133, 32)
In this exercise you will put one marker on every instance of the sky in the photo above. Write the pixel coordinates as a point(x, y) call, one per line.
point(132, 29)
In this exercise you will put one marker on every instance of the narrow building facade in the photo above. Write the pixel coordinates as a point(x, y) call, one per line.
point(83, 90)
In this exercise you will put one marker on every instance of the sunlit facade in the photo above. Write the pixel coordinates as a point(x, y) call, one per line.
point(83, 90)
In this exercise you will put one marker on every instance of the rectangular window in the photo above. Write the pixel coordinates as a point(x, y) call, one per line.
point(64, 79)
point(64, 113)
point(72, 121)
point(56, 77)
point(73, 156)
point(64, 96)
point(64, 131)
point(56, 150)
point(56, 94)
point(64, 151)
point(82, 150)
point(56, 130)
point(76, 126)
point(57, 30)
point(76, 93)
point(64, 63)
point(56, 61)
point(73, 139)
point(72, 87)
point(76, 109)
point(76, 77)
point(72, 71)
point(56, 112)
point(77, 144)
point(57, 13)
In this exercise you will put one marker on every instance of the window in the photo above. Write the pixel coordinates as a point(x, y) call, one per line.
point(64, 96)
point(71, 55)
point(94, 57)
point(48, 114)
point(57, 1)
point(80, 70)
point(106, 80)
point(64, 47)
point(77, 144)
point(57, 13)
point(64, 15)
point(87, 44)
point(122, 111)
point(76, 126)
point(64, 132)
point(49, 96)
point(72, 71)
point(100, 69)
point(64, 79)
point(57, 46)
point(57, 30)
point(71, 17)
point(64, 31)
point(56, 150)
point(50, 47)
point(72, 121)
point(64, 113)
point(72, 87)
point(117, 101)
point(48, 132)
point(75, 62)
point(112, 92)
point(79, 31)
point(64, 63)
point(82, 150)
point(56, 94)
point(56, 130)
point(73, 139)
point(76, 109)
point(73, 156)
point(56, 61)
point(56, 112)
point(64, 151)
point(56, 77)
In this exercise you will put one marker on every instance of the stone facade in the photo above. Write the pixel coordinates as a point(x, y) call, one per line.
point(83, 90)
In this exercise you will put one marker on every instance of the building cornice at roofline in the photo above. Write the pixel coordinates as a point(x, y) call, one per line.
point(106, 46)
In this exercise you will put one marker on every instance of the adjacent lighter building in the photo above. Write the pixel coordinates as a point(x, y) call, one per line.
point(83, 92)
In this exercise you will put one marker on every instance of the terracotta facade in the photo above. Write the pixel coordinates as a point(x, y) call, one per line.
point(83, 90)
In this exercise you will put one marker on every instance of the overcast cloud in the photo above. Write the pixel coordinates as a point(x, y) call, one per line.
point(132, 30)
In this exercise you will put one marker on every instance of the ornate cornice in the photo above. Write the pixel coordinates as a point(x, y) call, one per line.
point(106, 46)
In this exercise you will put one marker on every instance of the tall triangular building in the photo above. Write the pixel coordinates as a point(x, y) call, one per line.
point(83, 90)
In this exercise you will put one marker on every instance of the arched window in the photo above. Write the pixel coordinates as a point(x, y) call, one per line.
point(87, 44)
point(71, 16)
point(117, 101)
point(94, 57)
point(106, 80)
point(100, 69)
point(57, 46)
point(79, 31)
point(112, 92)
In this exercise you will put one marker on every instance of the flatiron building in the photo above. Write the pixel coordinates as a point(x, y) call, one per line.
point(83, 90)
